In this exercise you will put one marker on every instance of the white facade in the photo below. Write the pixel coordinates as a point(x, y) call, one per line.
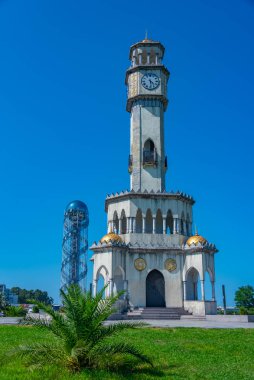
point(149, 251)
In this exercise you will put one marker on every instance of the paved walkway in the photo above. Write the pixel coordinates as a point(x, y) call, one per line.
point(199, 324)
point(169, 323)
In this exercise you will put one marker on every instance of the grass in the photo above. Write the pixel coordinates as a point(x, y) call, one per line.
point(180, 353)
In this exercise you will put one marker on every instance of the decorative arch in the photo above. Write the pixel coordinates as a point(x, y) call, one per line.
point(123, 222)
point(139, 221)
point(101, 279)
point(159, 222)
point(193, 288)
point(102, 271)
point(149, 222)
point(155, 289)
point(169, 222)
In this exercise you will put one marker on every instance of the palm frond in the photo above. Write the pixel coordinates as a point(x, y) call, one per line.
point(119, 348)
point(39, 353)
point(116, 328)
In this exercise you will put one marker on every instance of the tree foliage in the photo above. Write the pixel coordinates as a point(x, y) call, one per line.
point(24, 296)
point(3, 302)
point(244, 297)
point(82, 338)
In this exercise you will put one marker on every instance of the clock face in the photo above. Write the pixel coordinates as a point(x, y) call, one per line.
point(150, 81)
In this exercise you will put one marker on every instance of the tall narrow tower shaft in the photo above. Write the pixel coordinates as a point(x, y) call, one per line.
point(147, 101)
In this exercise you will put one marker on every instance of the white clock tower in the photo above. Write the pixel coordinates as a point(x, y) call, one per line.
point(147, 101)
point(149, 250)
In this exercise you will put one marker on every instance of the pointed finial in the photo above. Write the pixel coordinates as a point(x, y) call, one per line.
point(196, 230)
point(146, 35)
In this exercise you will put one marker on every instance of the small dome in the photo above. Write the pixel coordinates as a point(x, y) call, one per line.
point(195, 239)
point(111, 236)
point(76, 205)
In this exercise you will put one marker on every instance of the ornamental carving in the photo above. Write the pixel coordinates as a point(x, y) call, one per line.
point(140, 264)
point(133, 85)
point(170, 265)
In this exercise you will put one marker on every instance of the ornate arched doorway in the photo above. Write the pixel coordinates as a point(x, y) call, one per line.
point(155, 289)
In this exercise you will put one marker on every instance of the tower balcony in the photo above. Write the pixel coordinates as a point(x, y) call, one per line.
point(150, 158)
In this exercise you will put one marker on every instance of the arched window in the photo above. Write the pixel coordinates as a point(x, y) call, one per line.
point(193, 289)
point(115, 223)
point(149, 222)
point(139, 222)
point(149, 153)
point(124, 222)
point(169, 222)
point(159, 222)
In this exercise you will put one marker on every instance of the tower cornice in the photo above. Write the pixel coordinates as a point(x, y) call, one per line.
point(162, 98)
point(150, 195)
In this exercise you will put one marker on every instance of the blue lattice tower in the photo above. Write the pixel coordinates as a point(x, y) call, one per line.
point(75, 244)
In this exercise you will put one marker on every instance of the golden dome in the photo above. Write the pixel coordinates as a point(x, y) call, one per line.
point(195, 239)
point(111, 236)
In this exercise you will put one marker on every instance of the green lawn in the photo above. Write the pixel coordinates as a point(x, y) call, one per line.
point(178, 353)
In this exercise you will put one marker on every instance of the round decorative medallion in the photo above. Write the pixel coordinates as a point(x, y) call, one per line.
point(170, 265)
point(140, 264)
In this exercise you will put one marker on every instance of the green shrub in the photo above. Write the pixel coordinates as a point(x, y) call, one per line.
point(15, 311)
point(35, 309)
point(243, 310)
point(251, 311)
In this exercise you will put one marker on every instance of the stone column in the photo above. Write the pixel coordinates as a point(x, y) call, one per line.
point(127, 225)
point(203, 290)
point(174, 226)
point(148, 59)
point(140, 58)
point(164, 226)
point(143, 225)
point(133, 225)
point(154, 225)
point(94, 288)
point(179, 225)
point(213, 290)
point(110, 287)
point(184, 228)
point(110, 226)
point(120, 226)
point(157, 59)
point(184, 290)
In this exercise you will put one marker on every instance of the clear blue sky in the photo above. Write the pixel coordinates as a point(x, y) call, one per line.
point(65, 131)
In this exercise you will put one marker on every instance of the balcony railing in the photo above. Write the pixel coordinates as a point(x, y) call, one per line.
point(150, 157)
